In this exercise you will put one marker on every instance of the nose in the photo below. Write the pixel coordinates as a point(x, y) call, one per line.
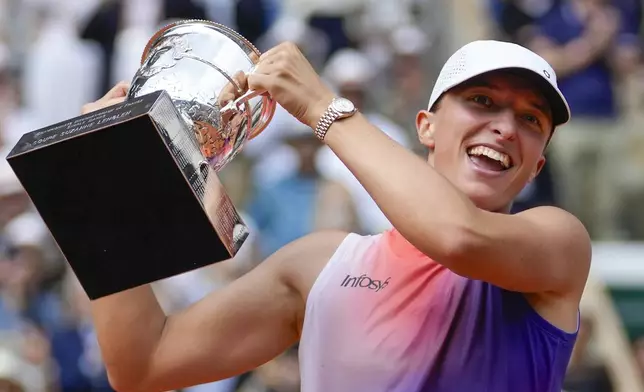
point(504, 125)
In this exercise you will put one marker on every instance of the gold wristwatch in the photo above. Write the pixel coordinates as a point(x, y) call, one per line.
point(338, 108)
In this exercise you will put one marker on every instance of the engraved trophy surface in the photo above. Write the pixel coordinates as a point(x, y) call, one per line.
point(130, 192)
point(195, 62)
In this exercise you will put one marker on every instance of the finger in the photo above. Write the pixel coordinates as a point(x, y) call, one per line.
point(271, 52)
point(100, 104)
point(228, 93)
point(268, 67)
point(280, 50)
point(241, 78)
point(285, 45)
point(119, 90)
point(225, 97)
point(271, 57)
point(113, 101)
point(123, 89)
point(260, 82)
point(278, 57)
point(228, 90)
point(90, 107)
point(232, 90)
point(276, 54)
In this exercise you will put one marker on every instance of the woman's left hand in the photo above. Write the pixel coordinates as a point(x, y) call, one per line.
point(289, 78)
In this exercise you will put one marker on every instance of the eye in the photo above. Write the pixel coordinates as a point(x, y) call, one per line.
point(483, 100)
point(532, 119)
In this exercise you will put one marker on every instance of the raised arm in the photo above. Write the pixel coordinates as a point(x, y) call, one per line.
point(545, 250)
point(229, 332)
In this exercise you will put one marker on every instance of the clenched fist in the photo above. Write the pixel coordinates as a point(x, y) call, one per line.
point(288, 77)
point(116, 95)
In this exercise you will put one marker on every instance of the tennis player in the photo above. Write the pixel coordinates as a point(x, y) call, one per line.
point(459, 296)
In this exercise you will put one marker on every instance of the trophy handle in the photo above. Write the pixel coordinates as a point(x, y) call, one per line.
point(268, 109)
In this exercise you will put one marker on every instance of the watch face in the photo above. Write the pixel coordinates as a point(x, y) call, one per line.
point(343, 105)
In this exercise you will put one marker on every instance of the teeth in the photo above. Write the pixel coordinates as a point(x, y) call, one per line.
point(490, 153)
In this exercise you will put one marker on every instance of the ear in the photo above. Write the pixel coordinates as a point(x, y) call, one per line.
point(538, 168)
point(425, 128)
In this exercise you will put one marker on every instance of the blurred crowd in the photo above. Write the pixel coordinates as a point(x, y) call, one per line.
point(56, 55)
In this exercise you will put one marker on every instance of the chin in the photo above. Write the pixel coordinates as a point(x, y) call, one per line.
point(486, 197)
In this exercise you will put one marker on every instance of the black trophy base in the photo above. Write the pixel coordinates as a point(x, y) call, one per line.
point(123, 200)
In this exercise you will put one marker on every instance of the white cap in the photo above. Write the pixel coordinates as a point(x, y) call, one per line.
point(480, 57)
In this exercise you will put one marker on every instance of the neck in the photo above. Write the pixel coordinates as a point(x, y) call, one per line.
point(503, 210)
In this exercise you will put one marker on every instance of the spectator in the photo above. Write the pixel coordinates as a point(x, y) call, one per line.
point(409, 79)
point(516, 18)
point(351, 74)
point(590, 45)
point(109, 18)
point(301, 200)
point(74, 345)
point(18, 375)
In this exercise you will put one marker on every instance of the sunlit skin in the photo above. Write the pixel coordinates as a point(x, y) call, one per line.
point(500, 110)
point(433, 219)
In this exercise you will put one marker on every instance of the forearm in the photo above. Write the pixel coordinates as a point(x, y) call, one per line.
point(419, 202)
point(567, 59)
point(129, 326)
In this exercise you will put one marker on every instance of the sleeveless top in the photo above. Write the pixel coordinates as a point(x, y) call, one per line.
point(383, 317)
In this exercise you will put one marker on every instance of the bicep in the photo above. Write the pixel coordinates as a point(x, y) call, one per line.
point(231, 331)
point(539, 250)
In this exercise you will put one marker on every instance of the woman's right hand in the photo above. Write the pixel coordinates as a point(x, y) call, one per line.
point(117, 94)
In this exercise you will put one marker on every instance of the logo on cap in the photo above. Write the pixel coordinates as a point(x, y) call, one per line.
point(545, 72)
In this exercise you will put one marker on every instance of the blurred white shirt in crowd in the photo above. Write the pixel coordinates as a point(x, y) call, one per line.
point(276, 161)
point(369, 214)
point(60, 73)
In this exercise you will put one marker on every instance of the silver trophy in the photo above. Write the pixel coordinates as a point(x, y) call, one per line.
point(196, 62)
point(130, 192)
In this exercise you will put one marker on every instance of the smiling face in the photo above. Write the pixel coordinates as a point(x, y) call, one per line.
point(487, 136)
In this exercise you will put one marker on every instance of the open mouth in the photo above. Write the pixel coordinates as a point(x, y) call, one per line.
point(489, 159)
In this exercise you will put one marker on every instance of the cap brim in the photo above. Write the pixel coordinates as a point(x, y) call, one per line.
point(556, 100)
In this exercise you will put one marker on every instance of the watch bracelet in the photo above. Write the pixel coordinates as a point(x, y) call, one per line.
point(327, 119)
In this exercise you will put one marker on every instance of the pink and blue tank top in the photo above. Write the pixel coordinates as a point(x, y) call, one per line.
point(382, 317)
